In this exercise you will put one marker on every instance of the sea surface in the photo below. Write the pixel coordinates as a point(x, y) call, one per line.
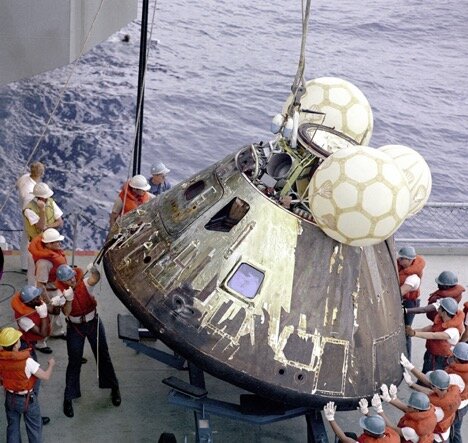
point(217, 74)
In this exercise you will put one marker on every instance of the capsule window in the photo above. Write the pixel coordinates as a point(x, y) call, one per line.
point(228, 217)
point(194, 190)
point(246, 280)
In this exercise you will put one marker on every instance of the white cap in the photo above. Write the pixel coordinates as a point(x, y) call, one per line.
point(42, 190)
point(139, 182)
point(159, 168)
point(51, 235)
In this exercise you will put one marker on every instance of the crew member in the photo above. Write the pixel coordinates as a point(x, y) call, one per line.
point(83, 322)
point(410, 272)
point(444, 392)
point(373, 426)
point(158, 181)
point(32, 316)
point(441, 336)
point(47, 253)
point(448, 286)
point(133, 194)
point(459, 366)
point(39, 214)
point(25, 185)
point(419, 420)
point(19, 372)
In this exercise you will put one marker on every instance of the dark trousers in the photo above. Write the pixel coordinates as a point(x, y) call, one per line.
point(76, 335)
point(433, 362)
point(409, 318)
point(455, 433)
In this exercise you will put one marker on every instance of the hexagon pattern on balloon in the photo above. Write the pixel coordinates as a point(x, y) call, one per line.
point(345, 107)
point(416, 171)
point(359, 196)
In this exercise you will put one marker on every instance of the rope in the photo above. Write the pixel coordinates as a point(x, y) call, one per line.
point(139, 106)
point(59, 101)
point(298, 86)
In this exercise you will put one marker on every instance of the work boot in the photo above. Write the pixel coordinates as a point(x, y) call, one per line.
point(45, 421)
point(115, 395)
point(68, 408)
point(44, 350)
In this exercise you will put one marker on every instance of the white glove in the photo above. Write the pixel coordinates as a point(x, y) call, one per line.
point(385, 394)
point(406, 363)
point(393, 391)
point(91, 268)
point(408, 379)
point(363, 406)
point(68, 294)
point(57, 301)
point(377, 404)
point(42, 310)
point(329, 409)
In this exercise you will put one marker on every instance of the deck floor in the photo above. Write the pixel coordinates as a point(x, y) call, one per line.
point(145, 413)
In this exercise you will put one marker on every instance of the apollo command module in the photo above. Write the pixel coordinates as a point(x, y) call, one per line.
point(274, 269)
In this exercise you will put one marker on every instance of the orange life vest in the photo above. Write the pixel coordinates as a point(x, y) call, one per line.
point(460, 369)
point(389, 436)
point(417, 267)
point(12, 366)
point(22, 310)
point(455, 292)
point(83, 302)
point(442, 348)
point(39, 251)
point(131, 200)
point(449, 403)
point(423, 422)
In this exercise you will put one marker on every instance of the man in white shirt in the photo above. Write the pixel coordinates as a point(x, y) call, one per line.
point(25, 185)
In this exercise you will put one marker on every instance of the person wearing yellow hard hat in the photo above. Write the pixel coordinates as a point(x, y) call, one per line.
point(19, 372)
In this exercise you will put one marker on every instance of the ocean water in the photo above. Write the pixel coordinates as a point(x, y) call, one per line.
point(217, 73)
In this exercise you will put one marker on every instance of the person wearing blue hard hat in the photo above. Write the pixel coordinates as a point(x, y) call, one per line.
point(448, 286)
point(410, 271)
point(373, 426)
point(442, 335)
point(444, 391)
point(420, 416)
point(459, 366)
point(83, 323)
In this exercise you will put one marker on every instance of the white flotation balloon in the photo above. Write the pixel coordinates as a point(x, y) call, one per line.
point(359, 196)
point(345, 107)
point(416, 171)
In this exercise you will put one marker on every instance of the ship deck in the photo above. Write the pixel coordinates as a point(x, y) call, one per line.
point(145, 412)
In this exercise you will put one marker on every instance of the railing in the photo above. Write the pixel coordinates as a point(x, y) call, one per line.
point(437, 224)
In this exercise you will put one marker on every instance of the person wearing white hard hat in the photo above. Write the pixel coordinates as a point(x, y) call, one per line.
point(158, 181)
point(25, 185)
point(133, 194)
point(39, 214)
point(48, 255)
